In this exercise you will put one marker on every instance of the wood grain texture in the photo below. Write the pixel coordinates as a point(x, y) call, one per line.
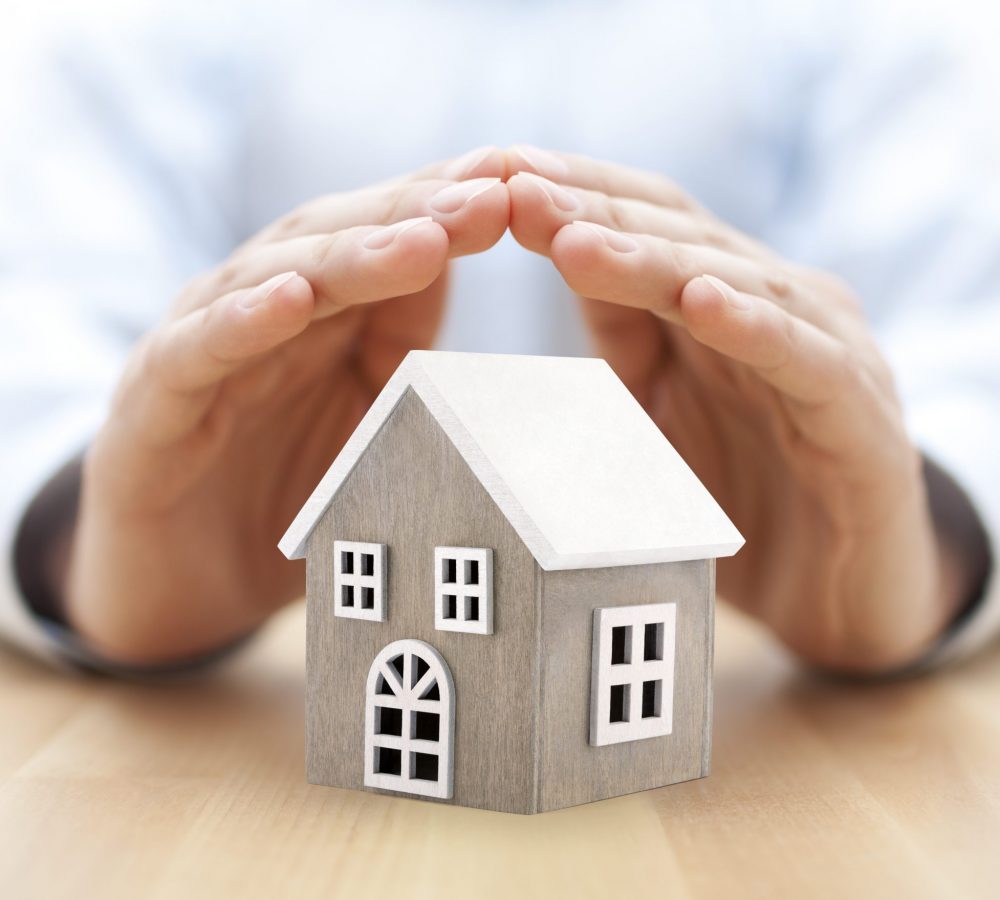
point(572, 771)
point(412, 491)
point(195, 790)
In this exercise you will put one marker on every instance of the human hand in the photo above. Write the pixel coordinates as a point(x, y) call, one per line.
point(766, 378)
point(230, 411)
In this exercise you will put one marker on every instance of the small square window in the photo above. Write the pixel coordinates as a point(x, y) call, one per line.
point(359, 580)
point(389, 720)
point(388, 761)
point(463, 589)
point(632, 673)
point(424, 766)
point(425, 726)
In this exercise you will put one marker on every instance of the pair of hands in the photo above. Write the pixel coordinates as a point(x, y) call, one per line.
point(762, 373)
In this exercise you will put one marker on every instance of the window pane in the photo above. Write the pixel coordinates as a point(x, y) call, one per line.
point(653, 641)
point(388, 761)
point(471, 609)
point(424, 766)
point(347, 595)
point(450, 606)
point(472, 571)
point(619, 703)
point(651, 694)
point(418, 667)
point(347, 562)
point(368, 598)
point(388, 720)
point(425, 726)
point(621, 645)
point(448, 571)
point(367, 563)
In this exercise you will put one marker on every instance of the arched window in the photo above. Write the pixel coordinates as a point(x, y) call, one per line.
point(410, 721)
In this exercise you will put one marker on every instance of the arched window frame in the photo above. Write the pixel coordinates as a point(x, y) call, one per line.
point(408, 700)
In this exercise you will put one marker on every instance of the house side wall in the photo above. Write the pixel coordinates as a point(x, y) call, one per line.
point(412, 491)
point(570, 770)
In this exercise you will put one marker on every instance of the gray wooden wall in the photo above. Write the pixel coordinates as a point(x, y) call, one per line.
point(571, 771)
point(412, 491)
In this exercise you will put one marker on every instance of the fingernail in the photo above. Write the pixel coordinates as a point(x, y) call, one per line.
point(733, 298)
point(562, 198)
point(466, 164)
point(617, 241)
point(543, 162)
point(452, 198)
point(379, 240)
point(259, 294)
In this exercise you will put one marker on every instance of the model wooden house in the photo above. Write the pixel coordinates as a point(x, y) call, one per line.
point(511, 584)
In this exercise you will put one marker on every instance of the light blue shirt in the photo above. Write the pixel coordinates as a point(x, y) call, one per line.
point(142, 142)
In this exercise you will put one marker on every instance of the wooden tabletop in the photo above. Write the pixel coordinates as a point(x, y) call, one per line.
point(191, 790)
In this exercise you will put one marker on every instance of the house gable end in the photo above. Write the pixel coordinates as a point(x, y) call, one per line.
point(412, 491)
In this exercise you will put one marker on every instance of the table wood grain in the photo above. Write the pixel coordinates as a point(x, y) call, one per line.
point(196, 789)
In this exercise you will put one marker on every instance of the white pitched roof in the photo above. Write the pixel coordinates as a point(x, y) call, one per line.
point(573, 461)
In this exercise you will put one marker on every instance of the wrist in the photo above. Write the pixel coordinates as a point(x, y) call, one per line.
point(44, 540)
point(962, 542)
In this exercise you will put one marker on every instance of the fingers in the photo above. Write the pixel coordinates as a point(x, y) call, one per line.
point(649, 272)
point(350, 267)
point(828, 389)
point(172, 378)
point(364, 263)
point(540, 207)
point(481, 162)
point(609, 178)
point(393, 201)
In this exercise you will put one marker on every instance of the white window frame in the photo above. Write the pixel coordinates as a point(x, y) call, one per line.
point(357, 582)
point(630, 675)
point(462, 591)
point(406, 696)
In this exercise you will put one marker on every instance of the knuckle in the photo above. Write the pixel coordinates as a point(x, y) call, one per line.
point(712, 235)
point(847, 375)
point(324, 253)
point(779, 286)
point(397, 201)
point(227, 276)
point(681, 258)
point(618, 217)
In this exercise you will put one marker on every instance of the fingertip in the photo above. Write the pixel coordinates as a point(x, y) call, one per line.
point(529, 158)
point(707, 303)
point(585, 244)
point(700, 296)
point(481, 162)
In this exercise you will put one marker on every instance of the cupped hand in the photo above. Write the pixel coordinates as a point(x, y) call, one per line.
point(231, 410)
point(766, 378)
